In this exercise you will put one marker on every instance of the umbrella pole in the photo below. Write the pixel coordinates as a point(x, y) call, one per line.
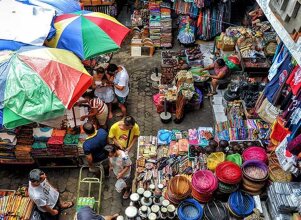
point(73, 112)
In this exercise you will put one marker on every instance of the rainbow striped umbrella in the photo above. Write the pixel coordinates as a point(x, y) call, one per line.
point(38, 84)
point(88, 34)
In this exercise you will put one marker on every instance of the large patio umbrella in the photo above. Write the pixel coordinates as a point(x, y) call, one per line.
point(38, 84)
point(88, 34)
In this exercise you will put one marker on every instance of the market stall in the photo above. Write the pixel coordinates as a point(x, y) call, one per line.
point(15, 204)
point(45, 146)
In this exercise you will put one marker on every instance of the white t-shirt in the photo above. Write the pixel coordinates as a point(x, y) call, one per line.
point(121, 162)
point(122, 79)
point(44, 194)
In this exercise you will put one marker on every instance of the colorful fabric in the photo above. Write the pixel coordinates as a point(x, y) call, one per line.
point(39, 145)
point(294, 80)
point(59, 133)
point(42, 134)
point(38, 84)
point(88, 34)
point(71, 139)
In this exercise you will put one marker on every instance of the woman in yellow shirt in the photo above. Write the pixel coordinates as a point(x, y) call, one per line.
point(124, 133)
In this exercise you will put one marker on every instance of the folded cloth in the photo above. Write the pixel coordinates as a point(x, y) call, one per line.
point(39, 145)
point(55, 140)
point(7, 138)
point(58, 133)
point(71, 139)
point(42, 134)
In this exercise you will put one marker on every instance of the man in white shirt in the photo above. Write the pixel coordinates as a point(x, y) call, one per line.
point(45, 196)
point(121, 85)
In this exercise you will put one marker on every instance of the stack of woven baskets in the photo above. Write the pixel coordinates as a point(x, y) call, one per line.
point(255, 174)
point(240, 205)
point(229, 175)
point(277, 174)
point(204, 183)
point(215, 210)
point(190, 209)
point(178, 189)
point(255, 153)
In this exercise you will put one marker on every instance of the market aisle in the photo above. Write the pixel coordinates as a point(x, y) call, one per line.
point(141, 107)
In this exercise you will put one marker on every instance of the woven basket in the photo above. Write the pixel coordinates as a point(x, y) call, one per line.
point(255, 153)
point(253, 184)
point(249, 169)
point(250, 189)
point(277, 174)
point(241, 204)
point(235, 158)
point(214, 159)
point(178, 189)
point(215, 210)
point(204, 181)
point(228, 172)
point(227, 188)
point(202, 198)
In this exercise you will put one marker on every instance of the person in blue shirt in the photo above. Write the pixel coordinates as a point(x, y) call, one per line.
point(86, 213)
point(94, 145)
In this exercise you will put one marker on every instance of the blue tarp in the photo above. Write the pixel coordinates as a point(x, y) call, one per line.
point(60, 6)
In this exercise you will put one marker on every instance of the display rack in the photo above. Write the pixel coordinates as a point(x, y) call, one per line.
point(293, 47)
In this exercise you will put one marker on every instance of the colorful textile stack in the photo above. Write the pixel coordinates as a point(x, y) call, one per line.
point(166, 25)
point(16, 207)
point(204, 183)
point(56, 142)
point(155, 23)
point(22, 153)
point(25, 135)
point(8, 142)
point(229, 175)
point(71, 144)
point(39, 149)
point(41, 136)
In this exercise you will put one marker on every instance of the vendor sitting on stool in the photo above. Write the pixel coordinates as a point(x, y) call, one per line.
point(219, 76)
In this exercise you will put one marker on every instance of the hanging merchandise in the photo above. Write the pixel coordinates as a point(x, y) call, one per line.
point(185, 8)
point(210, 21)
point(186, 30)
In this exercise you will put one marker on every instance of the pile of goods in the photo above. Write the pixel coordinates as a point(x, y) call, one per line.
point(15, 206)
point(177, 165)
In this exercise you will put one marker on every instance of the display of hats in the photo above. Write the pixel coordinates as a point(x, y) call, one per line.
point(190, 209)
point(204, 183)
point(228, 172)
point(178, 189)
point(241, 204)
point(215, 210)
point(214, 159)
point(255, 153)
point(235, 158)
point(255, 174)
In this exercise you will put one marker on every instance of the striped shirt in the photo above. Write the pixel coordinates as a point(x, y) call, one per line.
point(97, 103)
